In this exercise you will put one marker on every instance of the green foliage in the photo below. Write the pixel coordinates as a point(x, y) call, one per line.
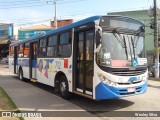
point(6, 103)
point(156, 49)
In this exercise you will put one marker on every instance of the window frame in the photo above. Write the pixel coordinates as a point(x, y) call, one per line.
point(28, 50)
point(11, 51)
point(69, 42)
point(41, 48)
point(55, 45)
point(19, 46)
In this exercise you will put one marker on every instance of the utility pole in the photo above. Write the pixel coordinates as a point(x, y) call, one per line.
point(156, 39)
point(55, 17)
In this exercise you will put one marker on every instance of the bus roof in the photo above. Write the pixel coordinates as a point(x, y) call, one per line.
point(81, 22)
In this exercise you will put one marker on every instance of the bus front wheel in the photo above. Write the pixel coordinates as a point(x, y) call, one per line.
point(63, 87)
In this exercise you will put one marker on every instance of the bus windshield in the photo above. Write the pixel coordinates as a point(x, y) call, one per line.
point(116, 52)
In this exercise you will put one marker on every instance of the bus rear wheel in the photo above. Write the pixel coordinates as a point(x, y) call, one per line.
point(63, 88)
point(21, 74)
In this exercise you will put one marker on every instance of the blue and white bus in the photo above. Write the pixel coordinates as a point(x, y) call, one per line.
point(99, 57)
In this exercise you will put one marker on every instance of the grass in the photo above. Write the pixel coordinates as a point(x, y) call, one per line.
point(6, 104)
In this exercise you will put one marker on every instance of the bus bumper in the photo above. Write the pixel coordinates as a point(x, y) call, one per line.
point(104, 91)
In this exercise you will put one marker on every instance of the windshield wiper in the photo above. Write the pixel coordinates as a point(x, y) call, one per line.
point(136, 40)
point(119, 37)
point(130, 47)
point(133, 46)
point(121, 40)
point(139, 32)
point(125, 46)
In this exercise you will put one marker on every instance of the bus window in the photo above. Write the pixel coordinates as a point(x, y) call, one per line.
point(11, 51)
point(20, 51)
point(65, 45)
point(89, 59)
point(42, 47)
point(52, 46)
point(26, 50)
point(89, 45)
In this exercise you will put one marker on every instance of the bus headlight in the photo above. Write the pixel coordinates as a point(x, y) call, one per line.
point(106, 80)
point(144, 78)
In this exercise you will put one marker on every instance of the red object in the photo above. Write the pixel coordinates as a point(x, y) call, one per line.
point(46, 73)
point(65, 63)
point(40, 67)
point(118, 63)
point(132, 89)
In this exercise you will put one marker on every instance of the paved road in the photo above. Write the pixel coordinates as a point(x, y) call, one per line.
point(38, 97)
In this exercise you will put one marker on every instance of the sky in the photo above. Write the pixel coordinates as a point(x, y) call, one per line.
point(29, 12)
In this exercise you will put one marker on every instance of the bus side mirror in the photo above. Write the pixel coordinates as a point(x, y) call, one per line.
point(98, 39)
point(98, 48)
point(142, 29)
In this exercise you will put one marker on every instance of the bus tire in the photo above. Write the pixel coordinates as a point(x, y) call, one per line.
point(63, 88)
point(21, 74)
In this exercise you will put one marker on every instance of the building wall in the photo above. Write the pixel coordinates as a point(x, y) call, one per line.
point(6, 35)
point(149, 33)
point(61, 23)
point(6, 31)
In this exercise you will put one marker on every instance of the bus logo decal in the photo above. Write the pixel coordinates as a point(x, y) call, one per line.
point(70, 69)
point(58, 64)
point(65, 63)
point(50, 67)
point(134, 62)
point(40, 65)
point(46, 73)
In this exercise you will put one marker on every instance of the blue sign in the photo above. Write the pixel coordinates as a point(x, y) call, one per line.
point(134, 62)
point(131, 79)
point(3, 32)
point(6, 31)
point(10, 32)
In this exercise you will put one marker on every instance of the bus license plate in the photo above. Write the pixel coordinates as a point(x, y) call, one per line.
point(132, 89)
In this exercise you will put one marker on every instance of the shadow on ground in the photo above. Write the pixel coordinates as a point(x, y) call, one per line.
point(99, 107)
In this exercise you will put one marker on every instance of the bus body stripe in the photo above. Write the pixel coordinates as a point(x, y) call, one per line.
point(104, 91)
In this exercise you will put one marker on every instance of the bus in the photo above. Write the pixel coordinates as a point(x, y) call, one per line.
point(99, 57)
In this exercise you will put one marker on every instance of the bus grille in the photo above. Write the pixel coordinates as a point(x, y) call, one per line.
point(129, 72)
point(124, 92)
point(128, 83)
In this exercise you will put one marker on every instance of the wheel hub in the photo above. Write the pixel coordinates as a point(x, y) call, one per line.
point(63, 87)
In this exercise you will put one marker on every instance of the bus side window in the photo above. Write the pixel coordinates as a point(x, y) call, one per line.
point(11, 51)
point(20, 51)
point(52, 46)
point(42, 47)
point(89, 45)
point(26, 50)
point(81, 43)
point(65, 46)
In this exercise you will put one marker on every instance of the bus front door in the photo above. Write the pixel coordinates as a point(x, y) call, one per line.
point(33, 61)
point(83, 62)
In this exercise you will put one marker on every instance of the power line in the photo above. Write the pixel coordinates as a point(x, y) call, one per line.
point(25, 6)
point(21, 5)
point(18, 4)
point(71, 15)
point(64, 16)
point(18, 1)
point(70, 1)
